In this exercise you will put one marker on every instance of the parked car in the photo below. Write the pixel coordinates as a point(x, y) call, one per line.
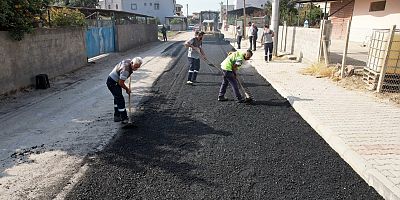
point(196, 27)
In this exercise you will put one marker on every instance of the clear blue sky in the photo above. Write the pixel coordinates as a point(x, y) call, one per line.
point(200, 5)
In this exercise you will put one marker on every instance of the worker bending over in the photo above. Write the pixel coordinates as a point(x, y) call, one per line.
point(229, 67)
point(116, 82)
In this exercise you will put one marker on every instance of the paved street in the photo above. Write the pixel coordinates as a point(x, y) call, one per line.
point(189, 146)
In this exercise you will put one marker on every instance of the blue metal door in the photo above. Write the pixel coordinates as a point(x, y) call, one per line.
point(100, 40)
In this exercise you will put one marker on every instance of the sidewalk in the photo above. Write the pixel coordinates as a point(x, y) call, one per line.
point(363, 131)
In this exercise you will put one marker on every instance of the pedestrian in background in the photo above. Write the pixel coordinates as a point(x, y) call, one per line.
point(255, 36)
point(194, 52)
point(229, 67)
point(164, 33)
point(267, 36)
point(239, 35)
point(250, 35)
point(116, 82)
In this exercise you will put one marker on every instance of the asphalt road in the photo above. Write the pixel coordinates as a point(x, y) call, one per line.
point(190, 146)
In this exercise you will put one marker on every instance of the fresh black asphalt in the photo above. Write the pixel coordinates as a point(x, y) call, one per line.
point(190, 146)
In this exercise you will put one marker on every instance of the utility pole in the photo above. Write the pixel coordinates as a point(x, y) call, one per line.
point(187, 10)
point(275, 24)
point(226, 12)
point(244, 19)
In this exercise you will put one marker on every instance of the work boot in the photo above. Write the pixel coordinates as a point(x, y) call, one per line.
point(222, 98)
point(117, 118)
point(240, 101)
point(125, 121)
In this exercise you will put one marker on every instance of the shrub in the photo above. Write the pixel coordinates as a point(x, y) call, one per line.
point(175, 21)
point(66, 17)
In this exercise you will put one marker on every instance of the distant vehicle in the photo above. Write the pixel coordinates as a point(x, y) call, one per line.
point(190, 27)
point(196, 27)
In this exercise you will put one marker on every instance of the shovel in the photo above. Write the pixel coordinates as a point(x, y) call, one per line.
point(130, 122)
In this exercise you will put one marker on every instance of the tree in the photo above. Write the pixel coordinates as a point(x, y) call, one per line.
point(287, 11)
point(78, 3)
point(20, 16)
point(312, 13)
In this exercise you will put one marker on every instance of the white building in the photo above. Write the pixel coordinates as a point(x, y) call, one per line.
point(178, 9)
point(250, 3)
point(156, 8)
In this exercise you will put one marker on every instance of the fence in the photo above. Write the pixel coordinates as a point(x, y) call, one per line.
point(383, 67)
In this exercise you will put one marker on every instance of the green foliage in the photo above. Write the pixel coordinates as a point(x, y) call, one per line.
point(175, 21)
point(312, 13)
point(287, 11)
point(78, 3)
point(20, 16)
point(66, 17)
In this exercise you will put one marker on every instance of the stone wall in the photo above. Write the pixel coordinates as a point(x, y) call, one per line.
point(46, 51)
point(134, 35)
point(301, 42)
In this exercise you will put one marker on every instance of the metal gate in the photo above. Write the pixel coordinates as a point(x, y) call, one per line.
point(100, 40)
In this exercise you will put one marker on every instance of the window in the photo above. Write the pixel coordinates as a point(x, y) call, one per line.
point(145, 4)
point(377, 6)
point(116, 6)
point(134, 6)
point(151, 4)
point(109, 6)
point(156, 6)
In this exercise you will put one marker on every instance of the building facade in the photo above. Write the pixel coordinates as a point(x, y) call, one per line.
point(366, 16)
point(157, 8)
point(178, 9)
point(250, 3)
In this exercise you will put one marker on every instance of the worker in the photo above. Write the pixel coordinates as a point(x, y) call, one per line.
point(194, 52)
point(164, 33)
point(267, 36)
point(229, 68)
point(116, 82)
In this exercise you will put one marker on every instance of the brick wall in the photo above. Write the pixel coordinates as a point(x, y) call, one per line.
point(339, 20)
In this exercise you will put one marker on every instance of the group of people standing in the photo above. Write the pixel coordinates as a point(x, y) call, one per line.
point(252, 34)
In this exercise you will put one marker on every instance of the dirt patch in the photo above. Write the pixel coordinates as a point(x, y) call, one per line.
point(353, 82)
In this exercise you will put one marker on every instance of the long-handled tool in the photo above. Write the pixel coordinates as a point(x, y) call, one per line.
point(247, 96)
point(130, 122)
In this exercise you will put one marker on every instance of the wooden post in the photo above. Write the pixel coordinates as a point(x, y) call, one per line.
point(325, 50)
point(383, 70)
point(285, 38)
point(345, 48)
point(321, 35)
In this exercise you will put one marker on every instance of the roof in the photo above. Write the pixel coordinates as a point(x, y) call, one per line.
point(313, 1)
point(240, 11)
point(93, 10)
point(208, 21)
point(182, 17)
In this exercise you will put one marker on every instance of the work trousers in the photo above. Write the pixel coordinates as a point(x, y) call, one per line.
point(239, 40)
point(164, 37)
point(268, 47)
point(119, 101)
point(230, 77)
point(250, 42)
point(254, 42)
point(194, 67)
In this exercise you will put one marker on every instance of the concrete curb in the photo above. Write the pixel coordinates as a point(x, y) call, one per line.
point(371, 175)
